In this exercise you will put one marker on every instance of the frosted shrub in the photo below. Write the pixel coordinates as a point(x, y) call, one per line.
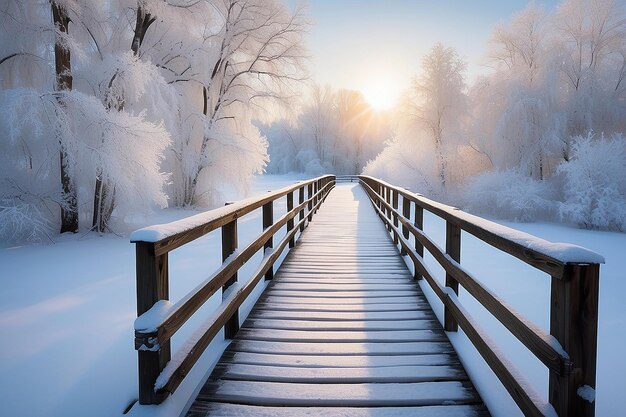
point(595, 183)
point(509, 194)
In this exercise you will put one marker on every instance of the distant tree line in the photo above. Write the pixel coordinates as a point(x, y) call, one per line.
point(335, 132)
point(540, 136)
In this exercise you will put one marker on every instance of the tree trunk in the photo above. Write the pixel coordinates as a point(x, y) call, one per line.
point(104, 192)
point(69, 210)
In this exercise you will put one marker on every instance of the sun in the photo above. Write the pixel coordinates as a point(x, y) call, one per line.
point(380, 94)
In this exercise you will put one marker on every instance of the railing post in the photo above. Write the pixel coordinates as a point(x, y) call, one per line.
point(574, 323)
point(310, 205)
point(388, 200)
point(268, 221)
point(394, 203)
point(453, 248)
point(152, 286)
point(419, 248)
point(300, 201)
point(316, 189)
point(292, 241)
point(406, 212)
point(229, 245)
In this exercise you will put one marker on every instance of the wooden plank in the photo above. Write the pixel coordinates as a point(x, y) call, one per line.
point(342, 316)
point(344, 294)
point(346, 395)
point(337, 287)
point(295, 279)
point(342, 361)
point(215, 409)
point(391, 336)
point(340, 348)
point(322, 375)
point(317, 326)
point(268, 304)
point(339, 301)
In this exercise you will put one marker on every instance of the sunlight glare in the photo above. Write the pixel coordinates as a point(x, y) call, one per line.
point(380, 94)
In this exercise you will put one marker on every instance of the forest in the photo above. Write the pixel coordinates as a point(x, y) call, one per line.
point(114, 108)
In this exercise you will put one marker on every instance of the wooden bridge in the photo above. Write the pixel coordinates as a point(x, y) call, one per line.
point(343, 328)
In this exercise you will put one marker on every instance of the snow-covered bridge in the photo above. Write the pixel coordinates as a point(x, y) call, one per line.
point(343, 328)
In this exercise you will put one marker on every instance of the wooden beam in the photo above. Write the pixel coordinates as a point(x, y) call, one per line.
point(152, 286)
point(229, 245)
point(574, 323)
point(268, 221)
point(292, 242)
point(453, 249)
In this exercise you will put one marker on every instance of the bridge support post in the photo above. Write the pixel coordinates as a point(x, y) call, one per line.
point(268, 221)
point(229, 245)
point(453, 248)
point(387, 210)
point(310, 194)
point(574, 323)
point(406, 212)
point(292, 241)
point(394, 203)
point(419, 248)
point(300, 201)
point(152, 286)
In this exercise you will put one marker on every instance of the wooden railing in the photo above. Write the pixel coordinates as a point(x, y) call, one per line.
point(347, 178)
point(569, 351)
point(158, 319)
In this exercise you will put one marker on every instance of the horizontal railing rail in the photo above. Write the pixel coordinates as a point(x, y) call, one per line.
point(347, 178)
point(569, 351)
point(158, 319)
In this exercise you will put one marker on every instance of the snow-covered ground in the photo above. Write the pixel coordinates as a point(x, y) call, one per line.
point(67, 312)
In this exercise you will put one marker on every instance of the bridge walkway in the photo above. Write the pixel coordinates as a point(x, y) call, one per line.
point(342, 330)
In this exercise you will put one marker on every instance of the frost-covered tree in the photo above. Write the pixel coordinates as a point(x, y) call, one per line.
point(334, 132)
point(258, 58)
point(591, 39)
point(430, 127)
point(437, 102)
point(595, 183)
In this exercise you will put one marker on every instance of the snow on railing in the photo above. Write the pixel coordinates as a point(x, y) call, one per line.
point(159, 319)
point(569, 351)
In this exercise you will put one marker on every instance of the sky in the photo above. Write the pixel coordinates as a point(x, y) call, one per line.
point(377, 46)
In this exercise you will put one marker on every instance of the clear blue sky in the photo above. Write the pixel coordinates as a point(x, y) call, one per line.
point(358, 43)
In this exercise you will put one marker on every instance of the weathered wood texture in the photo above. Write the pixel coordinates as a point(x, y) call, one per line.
point(343, 329)
point(574, 303)
point(152, 283)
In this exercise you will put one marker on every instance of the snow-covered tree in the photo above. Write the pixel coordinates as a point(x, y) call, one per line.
point(595, 183)
point(258, 57)
point(335, 132)
point(429, 133)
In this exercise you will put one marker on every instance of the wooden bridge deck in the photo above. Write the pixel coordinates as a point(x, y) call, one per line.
point(342, 330)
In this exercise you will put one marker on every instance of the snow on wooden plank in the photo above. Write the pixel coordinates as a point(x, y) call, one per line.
point(343, 294)
point(328, 361)
point(340, 348)
point(317, 326)
point(388, 374)
point(295, 279)
point(268, 304)
point(307, 276)
point(342, 316)
point(391, 336)
point(335, 286)
point(286, 300)
point(214, 409)
point(346, 395)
